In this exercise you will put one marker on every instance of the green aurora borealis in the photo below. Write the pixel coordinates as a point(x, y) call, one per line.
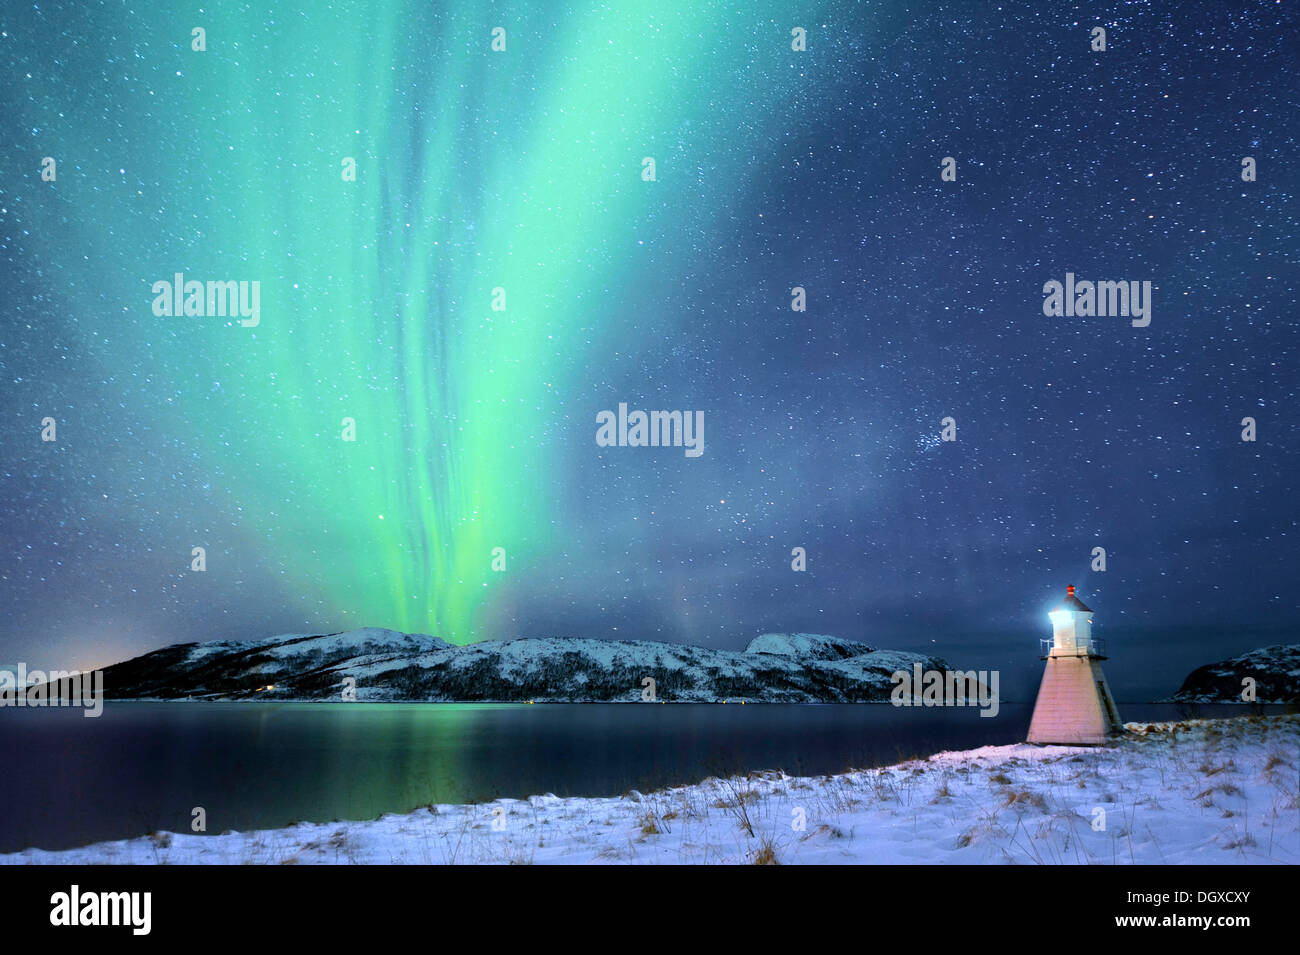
point(475, 170)
point(775, 169)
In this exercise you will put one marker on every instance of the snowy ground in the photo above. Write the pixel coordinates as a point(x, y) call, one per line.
point(1200, 791)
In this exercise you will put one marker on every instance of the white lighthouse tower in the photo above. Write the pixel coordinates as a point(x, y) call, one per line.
point(1074, 703)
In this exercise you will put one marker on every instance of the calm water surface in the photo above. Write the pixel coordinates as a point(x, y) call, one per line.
point(142, 767)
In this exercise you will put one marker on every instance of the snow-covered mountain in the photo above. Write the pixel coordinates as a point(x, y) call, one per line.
point(391, 666)
point(1276, 671)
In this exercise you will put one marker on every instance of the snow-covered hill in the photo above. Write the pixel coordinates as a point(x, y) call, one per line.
point(1275, 670)
point(390, 666)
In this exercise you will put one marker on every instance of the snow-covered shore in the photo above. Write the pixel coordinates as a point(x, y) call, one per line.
point(1199, 791)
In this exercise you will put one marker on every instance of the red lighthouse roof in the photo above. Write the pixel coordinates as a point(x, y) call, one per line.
point(1071, 602)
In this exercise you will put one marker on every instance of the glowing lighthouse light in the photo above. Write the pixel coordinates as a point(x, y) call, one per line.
point(1074, 703)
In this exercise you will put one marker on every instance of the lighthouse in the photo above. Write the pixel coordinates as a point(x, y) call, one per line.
point(1074, 703)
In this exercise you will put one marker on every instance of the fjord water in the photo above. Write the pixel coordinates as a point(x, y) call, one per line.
point(143, 767)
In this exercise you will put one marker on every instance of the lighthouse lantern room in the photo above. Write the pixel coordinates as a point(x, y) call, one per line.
point(1074, 704)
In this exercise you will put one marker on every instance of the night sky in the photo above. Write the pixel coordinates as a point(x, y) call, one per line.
point(523, 170)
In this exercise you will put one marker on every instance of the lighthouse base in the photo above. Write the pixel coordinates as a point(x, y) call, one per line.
point(1074, 705)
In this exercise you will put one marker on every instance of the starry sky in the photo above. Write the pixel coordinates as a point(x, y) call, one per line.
point(522, 170)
